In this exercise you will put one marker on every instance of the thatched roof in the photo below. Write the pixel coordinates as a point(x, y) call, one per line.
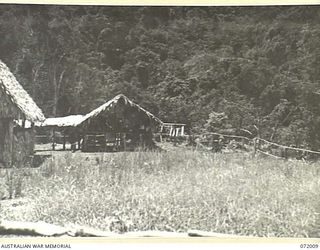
point(108, 105)
point(75, 120)
point(67, 121)
point(19, 97)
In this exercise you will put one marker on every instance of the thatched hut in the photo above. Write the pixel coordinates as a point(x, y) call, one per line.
point(119, 124)
point(16, 142)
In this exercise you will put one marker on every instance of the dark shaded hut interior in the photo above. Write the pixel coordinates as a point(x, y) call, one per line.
point(60, 130)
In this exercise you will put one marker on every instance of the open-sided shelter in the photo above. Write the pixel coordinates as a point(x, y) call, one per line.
point(16, 142)
point(60, 130)
point(119, 124)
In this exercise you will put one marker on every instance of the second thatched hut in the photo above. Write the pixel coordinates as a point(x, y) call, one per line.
point(119, 124)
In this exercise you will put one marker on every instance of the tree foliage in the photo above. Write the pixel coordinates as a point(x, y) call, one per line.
point(257, 65)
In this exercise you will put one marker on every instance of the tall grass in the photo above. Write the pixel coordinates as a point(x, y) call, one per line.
point(177, 191)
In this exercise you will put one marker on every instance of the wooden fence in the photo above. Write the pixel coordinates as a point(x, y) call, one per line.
point(215, 141)
point(257, 145)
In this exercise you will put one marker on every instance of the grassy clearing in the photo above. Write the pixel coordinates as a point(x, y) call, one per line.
point(175, 191)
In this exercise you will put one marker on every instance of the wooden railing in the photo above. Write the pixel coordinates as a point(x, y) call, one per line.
point(258, 145)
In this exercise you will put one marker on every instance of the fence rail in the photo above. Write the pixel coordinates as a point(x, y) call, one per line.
point(229, 136)
point(256, 143)
point(265, 153)
point(288, 147)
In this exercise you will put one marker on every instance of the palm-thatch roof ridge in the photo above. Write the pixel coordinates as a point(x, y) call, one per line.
point(66, 121)
point(114, 101)
point(19, 97)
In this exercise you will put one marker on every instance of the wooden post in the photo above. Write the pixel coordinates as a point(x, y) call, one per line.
point(64, 142)
point(105, 142)
point(53, 140)
point(11, 141)
point(34, 140)
point(95, 143)
point(84, 143)
point(140, 140)
point(79, 144)
point(285, 153)
point(124, 142)
point(171, 131)
point(254, 147)
point(161, 131)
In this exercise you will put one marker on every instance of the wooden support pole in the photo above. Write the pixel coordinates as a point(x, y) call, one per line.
point(160, 133)
point(11, 141)
point(105, 142)
point(64, 142)
point(96, 146)
point(171, 131)
point(124, 142)
point(285, 153)
point(32, 148)
point(254, 147)
point(53, 138)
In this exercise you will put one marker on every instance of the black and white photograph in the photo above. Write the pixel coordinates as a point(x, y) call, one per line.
point(160, 121)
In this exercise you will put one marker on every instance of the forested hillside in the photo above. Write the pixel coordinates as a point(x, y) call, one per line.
point(260, 66)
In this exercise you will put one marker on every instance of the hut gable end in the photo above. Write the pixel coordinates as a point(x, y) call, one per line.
point(7, 107)
point(125, 102)
point(18, 96)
